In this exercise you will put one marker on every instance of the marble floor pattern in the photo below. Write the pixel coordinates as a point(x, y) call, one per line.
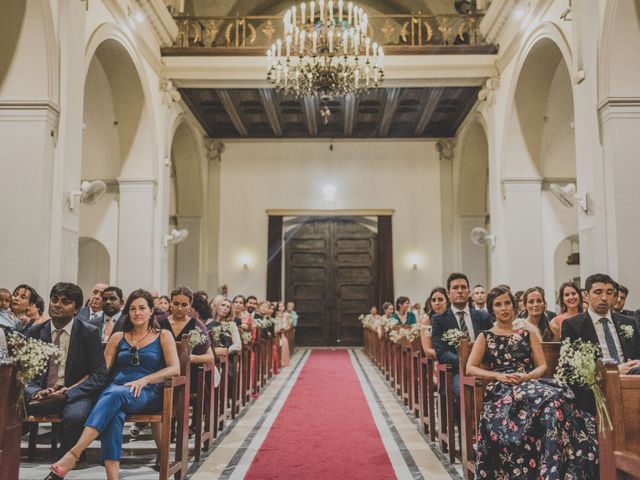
point(412, 455)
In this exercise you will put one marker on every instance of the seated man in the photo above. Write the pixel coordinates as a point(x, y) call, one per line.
point(615, 334)
point(459, 317)
point(110, 320)
point(70, 386)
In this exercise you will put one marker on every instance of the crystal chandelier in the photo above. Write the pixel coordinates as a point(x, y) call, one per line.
point(326, 51)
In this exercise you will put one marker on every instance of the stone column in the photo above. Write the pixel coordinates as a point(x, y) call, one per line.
point(446, 150)
point(135, 233)
point(28, 133)
point(620, 124)
point(215, 149)
point(523, 235)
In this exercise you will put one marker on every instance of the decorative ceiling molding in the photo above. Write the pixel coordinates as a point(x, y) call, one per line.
point(429, 109)
point(390, 107)
point(162, 23)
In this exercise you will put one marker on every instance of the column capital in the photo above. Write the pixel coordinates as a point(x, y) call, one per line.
point(446, 149)
point(215, 149)
point(619, 108)
point(486, 93)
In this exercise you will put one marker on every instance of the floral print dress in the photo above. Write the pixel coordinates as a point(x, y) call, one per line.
point(532, 430)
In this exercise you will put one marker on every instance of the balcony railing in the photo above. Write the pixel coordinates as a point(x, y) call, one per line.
point(397, 33)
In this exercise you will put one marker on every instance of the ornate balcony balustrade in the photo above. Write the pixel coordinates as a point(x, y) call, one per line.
point(398, 34)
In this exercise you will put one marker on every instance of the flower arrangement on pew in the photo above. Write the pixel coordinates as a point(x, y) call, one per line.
point(263, 323)
point(577, 366)
point(196, 337)
point(388, 323)
point(32, 357)
point(453, 337)
point(222, 335)
point(246, 337)
point(396, 335)
point(367, 320)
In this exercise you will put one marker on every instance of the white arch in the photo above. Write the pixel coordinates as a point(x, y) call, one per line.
point(111, 31)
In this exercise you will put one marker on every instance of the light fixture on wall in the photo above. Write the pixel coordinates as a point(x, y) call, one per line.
point(175, 237)
point(414, 261)
point(481, 237)
point(245, 261)
point(568, 196)
point(329, 192)
point(89, 193)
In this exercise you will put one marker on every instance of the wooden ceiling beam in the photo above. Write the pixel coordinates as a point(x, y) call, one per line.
point(429, 107)
point(310, 108)
point(349, 114)
point(390, 107)
point(232, 112)
point(269, 103)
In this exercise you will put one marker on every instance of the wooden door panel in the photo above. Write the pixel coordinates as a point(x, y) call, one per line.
point(330, 272)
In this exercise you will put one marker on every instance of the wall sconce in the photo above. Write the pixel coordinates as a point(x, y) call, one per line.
point(245, 261)
point(414, 261)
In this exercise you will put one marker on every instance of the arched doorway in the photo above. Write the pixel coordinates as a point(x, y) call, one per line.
point(539, 151)
point(94, 257)
point(117, 148)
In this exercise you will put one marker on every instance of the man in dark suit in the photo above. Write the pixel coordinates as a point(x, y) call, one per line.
point(616, 335)
point(93, 309)
point(70, 386)
point(109, 321)
point(458, 317)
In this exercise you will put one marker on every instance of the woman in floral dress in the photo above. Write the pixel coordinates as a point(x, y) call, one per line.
point(530, 427)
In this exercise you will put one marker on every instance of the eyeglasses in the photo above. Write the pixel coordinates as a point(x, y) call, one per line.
point(135, 357)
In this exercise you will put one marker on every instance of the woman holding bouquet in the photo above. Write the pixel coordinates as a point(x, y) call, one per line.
point(438, 302)
point(530, 427)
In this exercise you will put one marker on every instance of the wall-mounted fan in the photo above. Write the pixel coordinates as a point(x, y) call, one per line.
point(568, 196)
point(481, 236)
point(175, 237)
point(89, 193)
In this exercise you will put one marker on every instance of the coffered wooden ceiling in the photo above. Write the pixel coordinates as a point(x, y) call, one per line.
point(433, 112)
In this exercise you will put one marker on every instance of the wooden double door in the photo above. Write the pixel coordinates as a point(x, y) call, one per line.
point(331, 275)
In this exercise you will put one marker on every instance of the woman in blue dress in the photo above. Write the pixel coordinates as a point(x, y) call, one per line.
point(530, 427)
point(140, 358)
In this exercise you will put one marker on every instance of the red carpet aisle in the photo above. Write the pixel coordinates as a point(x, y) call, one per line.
point(325, 429)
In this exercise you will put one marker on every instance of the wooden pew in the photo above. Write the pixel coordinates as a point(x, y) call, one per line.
point(246, 374)
point(221, 411)
point(205, 404)
point(427, 389)
point(235, 394)
point(446, 414)
point(472, 399)
point(414, 382)
point(10, 421)
point(620, 447)
point(175, 406)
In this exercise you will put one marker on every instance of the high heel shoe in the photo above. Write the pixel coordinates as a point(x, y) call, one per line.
point(58, 472)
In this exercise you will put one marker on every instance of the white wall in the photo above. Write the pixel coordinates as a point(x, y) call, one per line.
point(399, 175)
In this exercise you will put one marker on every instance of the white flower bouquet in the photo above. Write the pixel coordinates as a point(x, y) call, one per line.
point(246, 337)
point(196, 337)
point(577, 366)
point(220, 332)
point(32, 357)
point(627, 331)
point(453, 336)
point(263, 323)
point(388, 323)
point(397, 334)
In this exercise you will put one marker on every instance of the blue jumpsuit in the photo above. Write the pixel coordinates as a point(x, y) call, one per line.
point(116, 401)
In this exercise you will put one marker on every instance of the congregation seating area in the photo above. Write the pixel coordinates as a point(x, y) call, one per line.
point(425, 388)
point(209, 410)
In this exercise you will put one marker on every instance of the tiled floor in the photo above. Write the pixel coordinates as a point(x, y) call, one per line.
point(411, 454)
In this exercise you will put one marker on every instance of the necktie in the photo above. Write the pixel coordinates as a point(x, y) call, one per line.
point(107, 328)
point(462, 323)
point(608, 337)
point(54, 363)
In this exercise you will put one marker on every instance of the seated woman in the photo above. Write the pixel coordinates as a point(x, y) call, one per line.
point(228, 344)
point(283, 323)
point(530, 427)
point(536, 320)
point(570, 301)
point(140, 358)
point(438, 302)
point(402, 313)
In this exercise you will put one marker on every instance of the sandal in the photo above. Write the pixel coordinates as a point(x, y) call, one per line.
point(58, 472)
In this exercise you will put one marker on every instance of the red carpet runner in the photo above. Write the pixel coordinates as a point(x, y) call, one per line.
point(325, 429)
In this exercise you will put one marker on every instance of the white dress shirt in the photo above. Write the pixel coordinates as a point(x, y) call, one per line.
point(597, 325)
point(65, 339)
point(467, 320)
